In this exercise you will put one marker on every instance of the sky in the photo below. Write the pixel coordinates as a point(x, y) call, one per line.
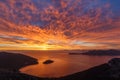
point(59, 24)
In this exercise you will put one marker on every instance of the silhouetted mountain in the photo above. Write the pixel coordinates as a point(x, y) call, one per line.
point(99, 53)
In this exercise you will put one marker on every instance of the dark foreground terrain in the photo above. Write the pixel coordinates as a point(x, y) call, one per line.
point(15, 61)
point(107, 71)
point(10, 64)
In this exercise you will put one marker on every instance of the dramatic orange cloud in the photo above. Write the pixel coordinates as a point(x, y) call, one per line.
point(59, 24)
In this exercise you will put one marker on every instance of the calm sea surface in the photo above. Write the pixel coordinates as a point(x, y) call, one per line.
point(64, 63)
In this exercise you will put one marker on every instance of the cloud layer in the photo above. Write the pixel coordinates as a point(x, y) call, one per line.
point(59, 24)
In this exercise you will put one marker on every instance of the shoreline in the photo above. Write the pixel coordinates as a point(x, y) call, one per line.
point(100, 72)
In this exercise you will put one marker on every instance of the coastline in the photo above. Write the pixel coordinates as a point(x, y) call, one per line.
point(100, 72)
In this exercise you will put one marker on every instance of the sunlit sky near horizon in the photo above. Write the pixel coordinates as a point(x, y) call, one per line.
point(59, 24)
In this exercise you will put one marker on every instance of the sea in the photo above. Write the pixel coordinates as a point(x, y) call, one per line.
point(64, 63)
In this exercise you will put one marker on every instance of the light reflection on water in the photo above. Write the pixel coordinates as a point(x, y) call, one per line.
point(64, 64)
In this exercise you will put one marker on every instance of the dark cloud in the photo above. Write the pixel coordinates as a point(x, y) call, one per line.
point(13, 37)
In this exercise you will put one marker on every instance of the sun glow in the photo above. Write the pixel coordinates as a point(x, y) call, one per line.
point(44, 47)
point(52, 25)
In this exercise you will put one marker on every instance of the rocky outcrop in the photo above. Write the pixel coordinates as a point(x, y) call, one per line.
point(48, 62)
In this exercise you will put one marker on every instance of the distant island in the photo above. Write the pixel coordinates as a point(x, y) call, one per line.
point(48, 61)
point(111, 52)
point(11, 62)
